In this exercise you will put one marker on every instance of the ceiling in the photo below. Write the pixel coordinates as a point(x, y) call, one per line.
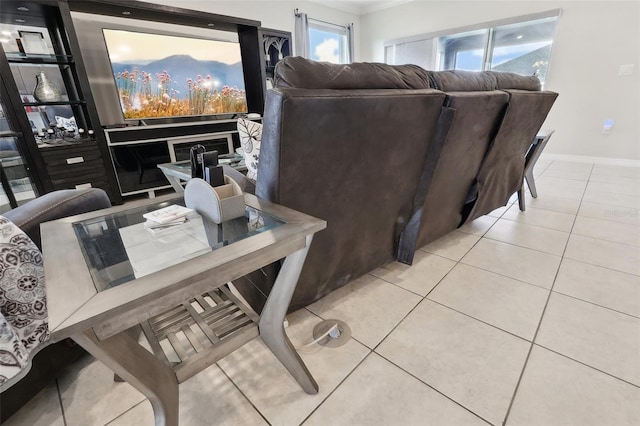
point(360, 7)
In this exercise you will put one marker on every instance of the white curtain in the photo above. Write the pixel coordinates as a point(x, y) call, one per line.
point(350, 42)
point(301, 34)
point(302, 44)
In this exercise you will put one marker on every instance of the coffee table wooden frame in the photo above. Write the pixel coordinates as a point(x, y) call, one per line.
point(101, 321)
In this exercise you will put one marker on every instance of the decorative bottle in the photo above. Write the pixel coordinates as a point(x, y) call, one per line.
point(45, 91)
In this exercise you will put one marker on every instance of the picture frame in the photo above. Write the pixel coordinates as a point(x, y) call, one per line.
point(37, 117)
point(33, 42)
point(37, 121)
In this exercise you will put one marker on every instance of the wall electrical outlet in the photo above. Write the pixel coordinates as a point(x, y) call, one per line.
point(626, 69)
point(608, 125)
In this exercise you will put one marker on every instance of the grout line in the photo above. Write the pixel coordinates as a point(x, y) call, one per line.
point(613, 220)
point(587, 365)
point(598, 305)
point(600, 266)
point(481, 321)
point(339, 383)
point(566, 178)
point(601, 203)
point(425, 297)
point(503, 275)
point(411, 291)
point(126, 411)
point(529, 248)
point(609, 241)
point(64, 417)
point(242, 393)
point(537, 225)
point(370, 351)
point(545, 167)
point(544, 310)
point(433, 388)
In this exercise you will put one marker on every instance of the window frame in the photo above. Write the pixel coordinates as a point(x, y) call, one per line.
point(391, 46)
point(342, 31)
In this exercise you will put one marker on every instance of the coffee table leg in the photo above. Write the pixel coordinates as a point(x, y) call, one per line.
point(174, 181)
point(272, 319)
point(140, 369)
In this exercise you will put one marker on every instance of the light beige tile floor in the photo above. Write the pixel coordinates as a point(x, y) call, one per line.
point(518, 318)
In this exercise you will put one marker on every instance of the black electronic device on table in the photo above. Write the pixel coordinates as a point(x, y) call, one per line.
point(211, 170)
point(195, 156)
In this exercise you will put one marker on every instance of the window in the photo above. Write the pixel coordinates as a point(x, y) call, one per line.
point(463, 51)
point(520, 45)
point(523, 48)
point(323, 41)
point(328, 42)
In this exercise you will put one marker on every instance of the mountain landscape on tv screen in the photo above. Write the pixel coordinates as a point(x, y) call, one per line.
point(179, 85)
point(183, 67)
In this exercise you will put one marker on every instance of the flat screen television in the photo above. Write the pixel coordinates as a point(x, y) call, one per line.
point(163, 76)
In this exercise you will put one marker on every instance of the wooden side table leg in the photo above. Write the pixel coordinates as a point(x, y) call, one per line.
point(139, 368)
point(134, 332)
point(175, 182)
point(271, 321)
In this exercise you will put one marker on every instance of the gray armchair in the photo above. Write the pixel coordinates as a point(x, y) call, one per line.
point(44, 360)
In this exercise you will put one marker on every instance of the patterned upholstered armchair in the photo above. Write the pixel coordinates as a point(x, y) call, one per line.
point(24, 331)
point(23, 304)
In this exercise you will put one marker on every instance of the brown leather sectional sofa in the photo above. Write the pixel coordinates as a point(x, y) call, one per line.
point(392, 157)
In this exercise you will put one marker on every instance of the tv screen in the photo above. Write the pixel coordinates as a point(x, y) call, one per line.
point(159, 76)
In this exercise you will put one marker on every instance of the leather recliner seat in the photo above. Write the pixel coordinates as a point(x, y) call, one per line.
point(392, 157)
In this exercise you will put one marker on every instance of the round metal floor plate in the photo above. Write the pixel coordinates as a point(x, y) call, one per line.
point(329, 341)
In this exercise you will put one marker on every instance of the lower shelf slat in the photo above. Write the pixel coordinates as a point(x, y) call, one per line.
point(191, 339)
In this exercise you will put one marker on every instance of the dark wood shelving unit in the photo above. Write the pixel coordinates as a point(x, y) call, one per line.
point(276, 45)
point(65, 61)
point(63, 64)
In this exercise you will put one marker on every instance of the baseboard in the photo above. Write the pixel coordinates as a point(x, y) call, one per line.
point(592, 160)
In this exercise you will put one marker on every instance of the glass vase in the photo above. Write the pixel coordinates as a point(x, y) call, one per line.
point(45, 91)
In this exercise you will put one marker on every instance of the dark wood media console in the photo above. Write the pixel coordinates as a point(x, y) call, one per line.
point(136, 151)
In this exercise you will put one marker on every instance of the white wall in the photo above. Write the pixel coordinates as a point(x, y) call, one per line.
point(593, 39)
point(273, 14)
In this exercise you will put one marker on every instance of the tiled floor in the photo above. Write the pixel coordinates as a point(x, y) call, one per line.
point(519, 318)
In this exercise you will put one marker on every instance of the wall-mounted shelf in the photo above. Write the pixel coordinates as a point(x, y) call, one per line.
point(24, 58)
point(54, 103)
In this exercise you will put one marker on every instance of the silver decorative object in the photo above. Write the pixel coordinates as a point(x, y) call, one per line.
point(45, 91)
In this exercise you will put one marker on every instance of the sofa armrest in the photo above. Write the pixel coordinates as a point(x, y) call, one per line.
point(56, 205)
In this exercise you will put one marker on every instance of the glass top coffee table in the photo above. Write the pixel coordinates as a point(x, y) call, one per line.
point(106, 273)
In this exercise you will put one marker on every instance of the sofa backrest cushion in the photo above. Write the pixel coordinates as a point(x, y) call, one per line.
point(353, 158)
point(298, 72)
point(468, 81)
point(463, 81)
point(510, 81)
point(502, 170)
point(475, 122)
